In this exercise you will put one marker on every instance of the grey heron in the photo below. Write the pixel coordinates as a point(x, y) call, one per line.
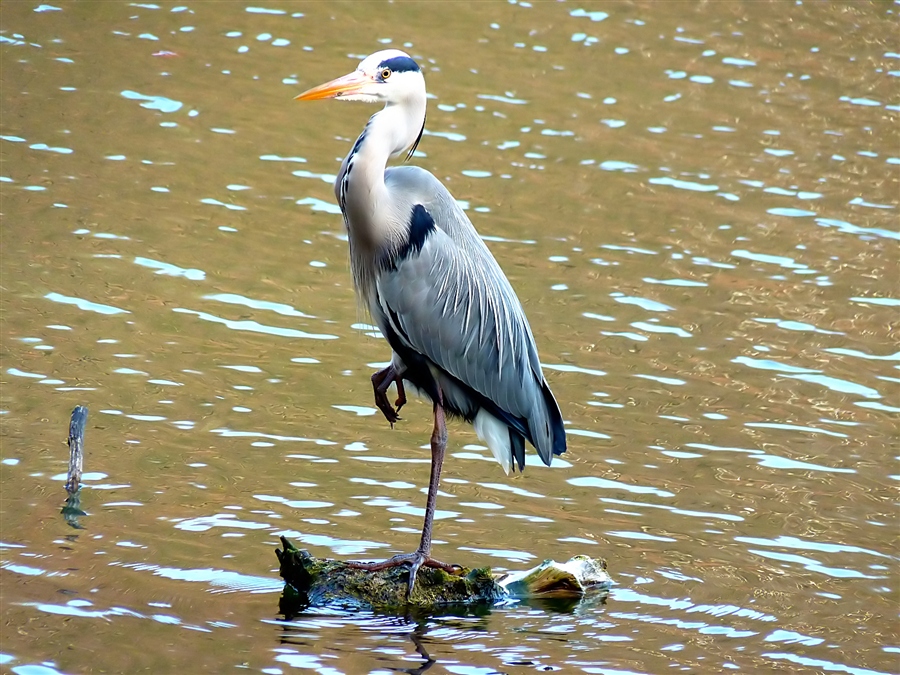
point(457, 331)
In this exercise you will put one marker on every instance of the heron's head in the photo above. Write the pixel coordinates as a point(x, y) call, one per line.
point(389, 76)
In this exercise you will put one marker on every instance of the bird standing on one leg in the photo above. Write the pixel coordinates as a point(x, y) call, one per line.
point(457, 330)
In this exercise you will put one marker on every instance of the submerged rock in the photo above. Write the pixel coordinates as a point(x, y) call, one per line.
point(314, 582)
point(575, 578)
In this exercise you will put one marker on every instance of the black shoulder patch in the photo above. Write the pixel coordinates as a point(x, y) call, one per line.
point(421, 225)
point(400, 64)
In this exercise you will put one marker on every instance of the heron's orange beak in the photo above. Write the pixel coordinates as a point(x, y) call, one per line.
point(348, 84)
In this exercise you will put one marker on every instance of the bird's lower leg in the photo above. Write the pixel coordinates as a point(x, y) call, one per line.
point(421, 557)
point(438, 447)
point(381, 382)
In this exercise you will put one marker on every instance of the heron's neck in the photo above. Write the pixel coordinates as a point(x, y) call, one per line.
point(373, 215)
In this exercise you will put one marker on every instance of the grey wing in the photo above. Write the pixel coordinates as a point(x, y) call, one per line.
point(448, 301)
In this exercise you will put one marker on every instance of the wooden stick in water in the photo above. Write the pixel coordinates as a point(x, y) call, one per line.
point(76, 448)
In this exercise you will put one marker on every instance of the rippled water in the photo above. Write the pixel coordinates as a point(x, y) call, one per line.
point(697, 205)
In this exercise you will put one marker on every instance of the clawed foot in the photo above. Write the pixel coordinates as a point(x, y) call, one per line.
point(414, 560)
point(381, 382)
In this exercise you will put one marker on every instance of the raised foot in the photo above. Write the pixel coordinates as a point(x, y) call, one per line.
point(414, 560)
point(381, 381)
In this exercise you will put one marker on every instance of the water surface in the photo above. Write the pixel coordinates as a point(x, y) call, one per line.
point(698, 209)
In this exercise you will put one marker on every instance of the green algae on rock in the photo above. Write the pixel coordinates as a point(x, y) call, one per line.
point(314, 582)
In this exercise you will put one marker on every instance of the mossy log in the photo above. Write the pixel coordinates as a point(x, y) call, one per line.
point(314, 582)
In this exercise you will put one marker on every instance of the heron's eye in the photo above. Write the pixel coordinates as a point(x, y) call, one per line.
point(386, 73)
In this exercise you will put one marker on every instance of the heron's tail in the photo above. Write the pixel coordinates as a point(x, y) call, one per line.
point(546, 426)
point(506, 434)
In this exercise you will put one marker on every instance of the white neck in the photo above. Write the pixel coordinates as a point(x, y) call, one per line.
point(368, 207)
point(377, 219)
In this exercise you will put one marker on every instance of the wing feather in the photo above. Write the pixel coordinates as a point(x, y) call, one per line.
point(450, 302)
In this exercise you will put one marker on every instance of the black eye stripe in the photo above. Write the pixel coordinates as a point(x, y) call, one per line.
point(399, 64)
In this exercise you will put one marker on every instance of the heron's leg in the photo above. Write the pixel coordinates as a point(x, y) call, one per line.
point(438, 448)
point(381, 382)
point(422, 556)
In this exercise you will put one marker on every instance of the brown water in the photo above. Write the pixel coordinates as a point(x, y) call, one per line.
point(697, 204)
